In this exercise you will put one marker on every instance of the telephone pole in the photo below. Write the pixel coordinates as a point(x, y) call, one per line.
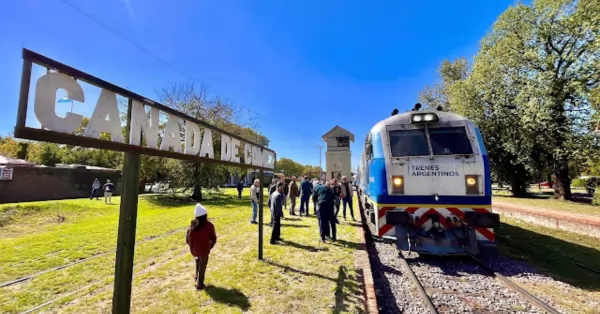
point(320, 155)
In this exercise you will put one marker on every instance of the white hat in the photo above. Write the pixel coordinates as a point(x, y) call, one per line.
point(199, 211)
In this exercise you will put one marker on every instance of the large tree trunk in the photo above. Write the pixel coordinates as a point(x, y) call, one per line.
point(562, 188)
point(518, 187)
point(197, 193)
point(142, 186)
point(550, 181)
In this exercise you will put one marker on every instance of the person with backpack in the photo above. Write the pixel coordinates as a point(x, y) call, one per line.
point(201, 238)
point(108, 189)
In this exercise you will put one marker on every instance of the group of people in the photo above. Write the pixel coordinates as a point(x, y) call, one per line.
point(326, 198)
point(108, 188)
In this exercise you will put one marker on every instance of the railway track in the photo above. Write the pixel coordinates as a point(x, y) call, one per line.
point(507, 282)
point(443, 285)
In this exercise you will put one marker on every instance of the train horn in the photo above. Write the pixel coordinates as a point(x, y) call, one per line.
point(416, 107)
point(394, 112)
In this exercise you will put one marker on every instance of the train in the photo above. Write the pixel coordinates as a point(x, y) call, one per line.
point(424, 182)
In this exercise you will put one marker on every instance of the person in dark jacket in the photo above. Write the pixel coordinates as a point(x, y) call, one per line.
point(293, 193)
point(337, 193)
point(285, 191)
point(305, 192)
point(324, 197)
point(347, 196)
point(240, 188)
point(201, 238)
point(277, 213)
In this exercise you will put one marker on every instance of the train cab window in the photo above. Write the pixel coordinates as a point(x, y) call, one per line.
point(408, 143)
point(450, 141)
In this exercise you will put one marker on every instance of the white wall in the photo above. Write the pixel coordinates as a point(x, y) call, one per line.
point(341, 159)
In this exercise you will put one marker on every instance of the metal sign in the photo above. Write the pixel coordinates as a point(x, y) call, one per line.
point(6, 173)
point(197, 145)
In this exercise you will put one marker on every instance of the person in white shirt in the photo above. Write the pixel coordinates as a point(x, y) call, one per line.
point(95, 189)
point(254, 196)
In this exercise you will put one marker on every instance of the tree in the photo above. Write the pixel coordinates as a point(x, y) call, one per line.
point(552, 48)
point(289, 167)
point(196, 102)
point(8, 147)
point(450, 72)
point(538, 72)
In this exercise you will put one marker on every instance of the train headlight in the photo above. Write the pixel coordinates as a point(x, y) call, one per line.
point(472, 184)
point(424, 118)
point(398, 184)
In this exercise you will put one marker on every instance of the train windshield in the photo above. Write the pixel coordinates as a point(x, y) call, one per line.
point(408, 143)
point(444, 141)
point(450, 141)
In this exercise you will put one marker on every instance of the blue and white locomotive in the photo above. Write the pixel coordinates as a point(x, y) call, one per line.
point(424, 182)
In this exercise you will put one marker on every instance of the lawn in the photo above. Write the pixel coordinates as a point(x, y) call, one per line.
point(543, 200)
point(300, 276)
point(559, 254)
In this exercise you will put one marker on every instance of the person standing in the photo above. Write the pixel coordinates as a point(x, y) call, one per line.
point(347, 196)
point(293, 193)
point(272, 189)
point(285, 190)
point(277, 213)
point(255, 199)
point(305, 192)
point(108, 189)
point(324, 197)
point(95, 189)
point(201, 238)
point(337, 193)
point(240, 188)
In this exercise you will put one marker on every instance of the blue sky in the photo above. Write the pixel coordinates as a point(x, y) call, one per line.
point(301, 66)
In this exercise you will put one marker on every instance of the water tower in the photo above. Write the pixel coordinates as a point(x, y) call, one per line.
point(337, 156)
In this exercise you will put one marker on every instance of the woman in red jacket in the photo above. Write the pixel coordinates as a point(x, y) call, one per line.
point(201, 237)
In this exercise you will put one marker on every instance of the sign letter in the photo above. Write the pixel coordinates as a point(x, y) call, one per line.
point(207, 144)
point(106, 107)
point(257, 158)
point(225, 147)
point(235, 149)
point(192, 144)
point(248, 154)
point(45, 98)
point(140, 123)
point(171, 139)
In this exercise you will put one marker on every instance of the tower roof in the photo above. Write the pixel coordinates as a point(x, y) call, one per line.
point(338, 131)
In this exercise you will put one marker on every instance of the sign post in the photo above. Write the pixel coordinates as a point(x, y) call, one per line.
point(142, 136)
point(260, 215)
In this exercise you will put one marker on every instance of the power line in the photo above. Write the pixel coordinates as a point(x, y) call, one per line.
point(127, 40)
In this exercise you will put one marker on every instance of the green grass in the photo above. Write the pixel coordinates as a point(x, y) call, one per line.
point(553, 252)
point(300, 276)
point(545, 201)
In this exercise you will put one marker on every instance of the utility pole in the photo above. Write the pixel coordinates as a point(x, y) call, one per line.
point(320, 155)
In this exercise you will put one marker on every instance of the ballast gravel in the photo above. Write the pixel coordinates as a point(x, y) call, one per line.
point(455, 285)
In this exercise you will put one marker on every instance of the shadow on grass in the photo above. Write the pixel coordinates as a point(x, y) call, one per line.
point(293, 226)
point(228, 296)
point(551, 256)
point(170, 200)
point(298, 271)
point(293, 219)
point(309, 248)
point(350, 284)
point(350, 244)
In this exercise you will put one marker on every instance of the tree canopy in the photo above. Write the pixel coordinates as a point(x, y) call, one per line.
point(533, 89)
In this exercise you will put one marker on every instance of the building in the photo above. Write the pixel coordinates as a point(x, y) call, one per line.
point(338, 157)
point(24, 181)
